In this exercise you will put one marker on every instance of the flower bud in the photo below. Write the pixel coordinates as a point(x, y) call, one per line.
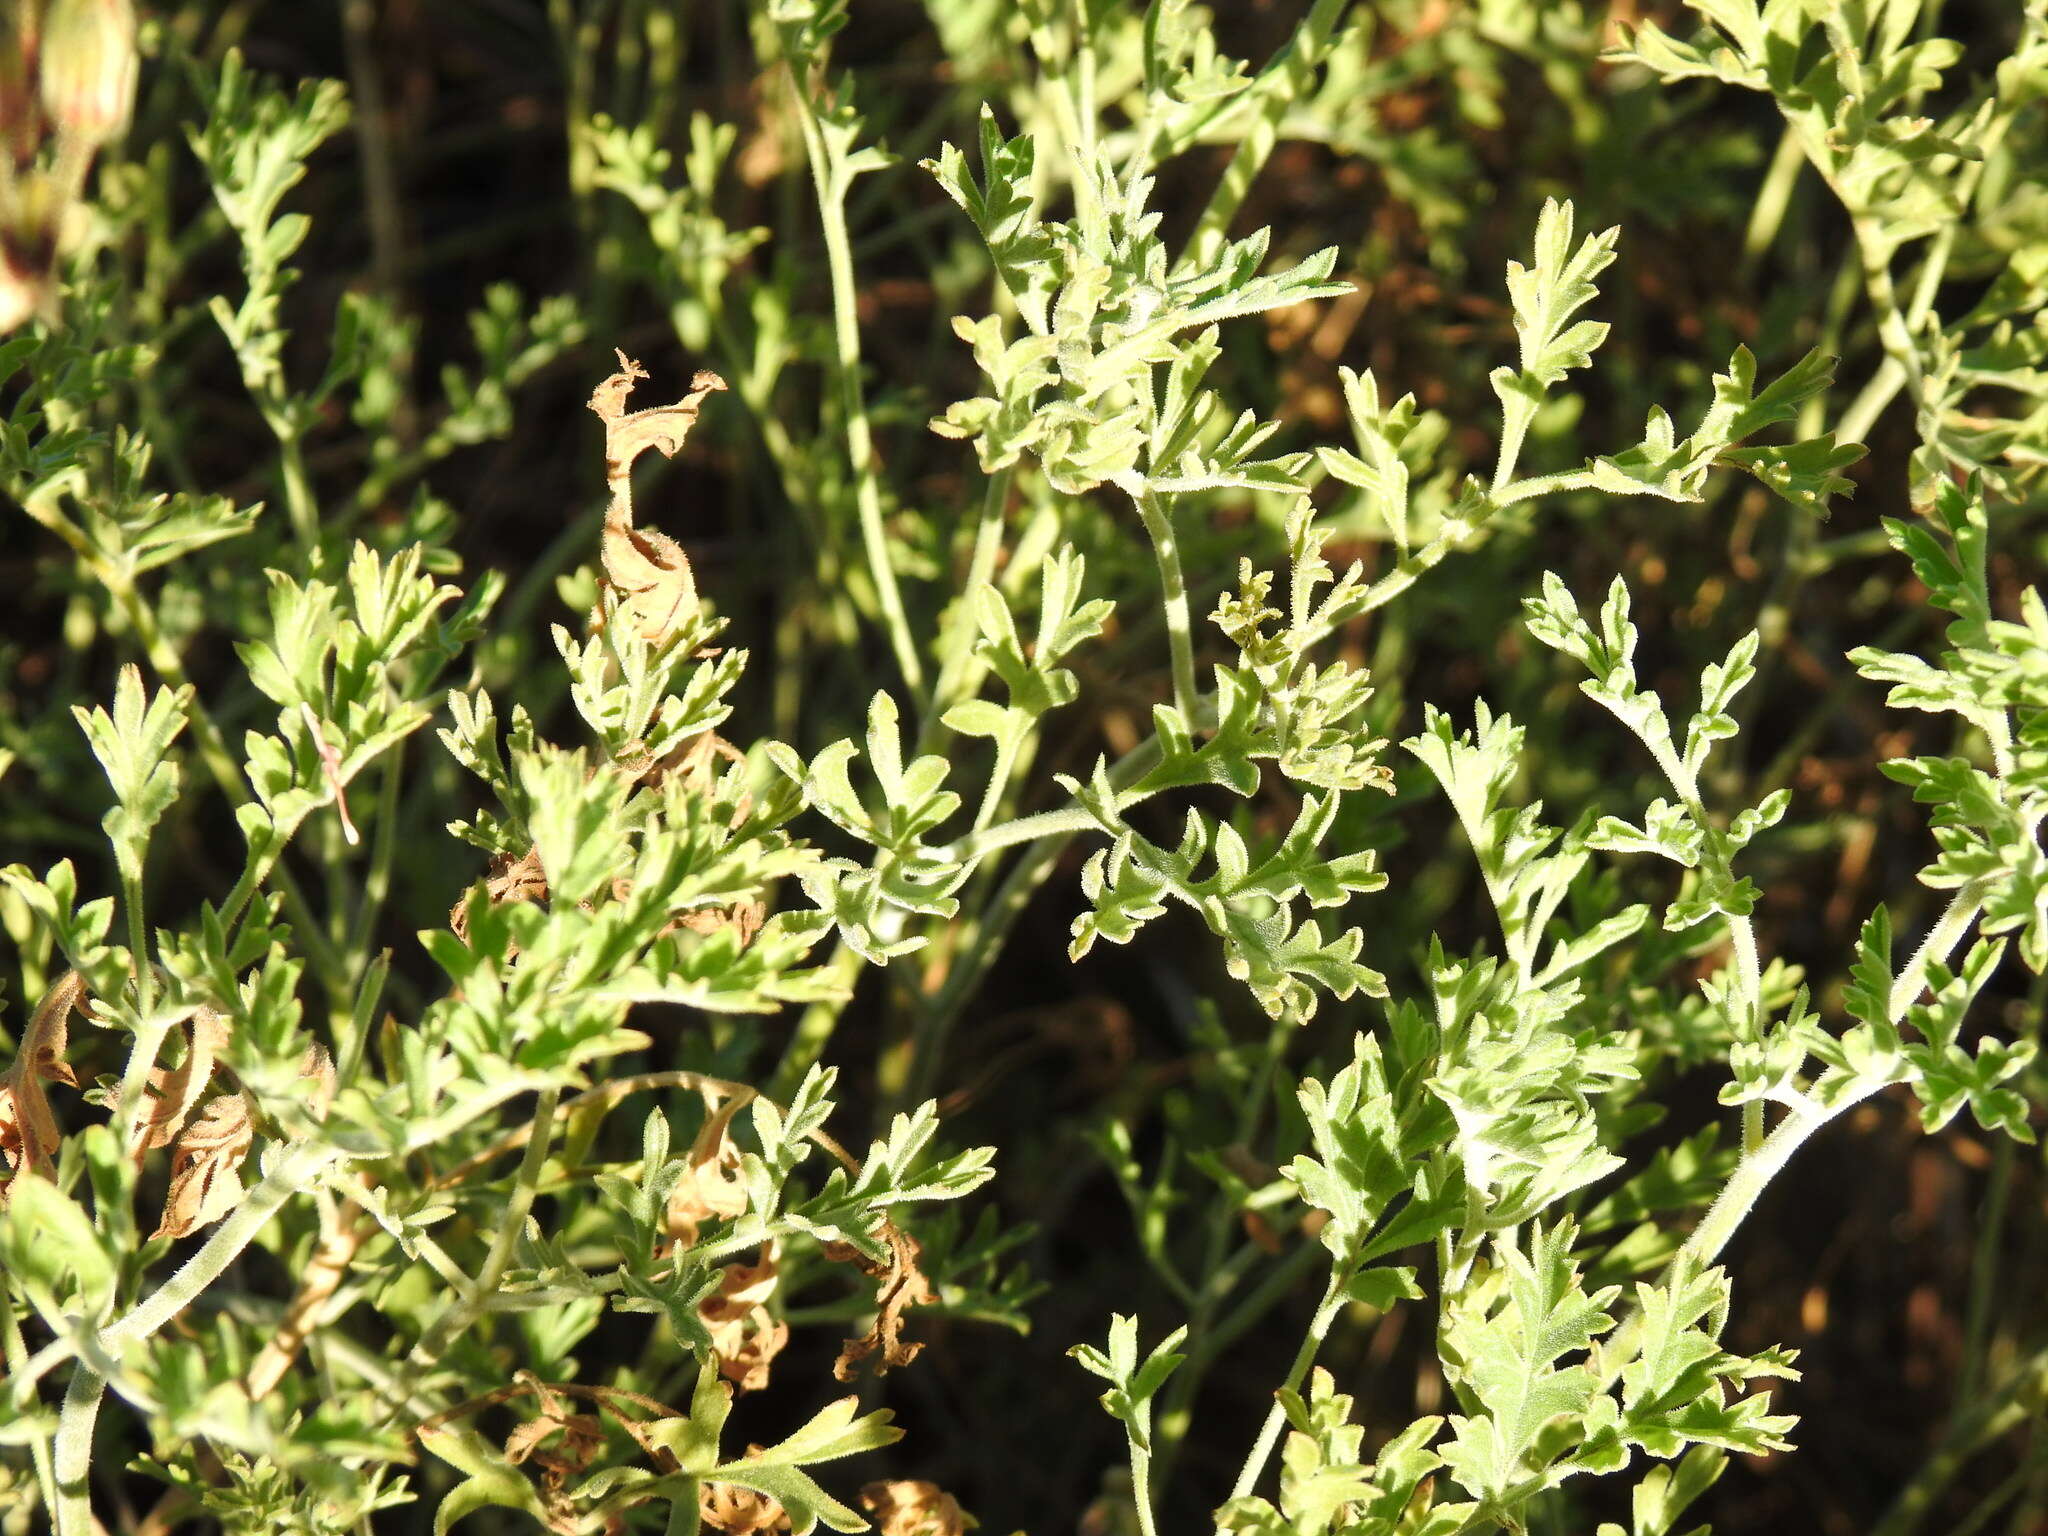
point(88, 67)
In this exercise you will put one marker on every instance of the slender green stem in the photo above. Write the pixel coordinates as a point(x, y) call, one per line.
point(829, 178)
point(1157, 512)
point(1269, 1431)
point(1754, 1173)
point(16, 1356)
point(1990, 1415)
point(383, 852)
point(1940, 942)
point(1207, 1344)
point(815, 1025)
point(1217, 1278)
point(381, 191)
point(466, 1308)
point(1141, 1489)
point(81, 1411)
point(1283, 82)
point(362, 1018)
point(220, 763)
point(957, 672)
point(1984, 1272)
point(1870, 401)
point(1773, 197)
point(295, 1170)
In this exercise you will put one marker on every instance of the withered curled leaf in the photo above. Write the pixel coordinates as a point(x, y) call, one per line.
point(171, 1092)
point(28, 1130)
point(646, 570)
point(902, 1286)
point(206, 1164)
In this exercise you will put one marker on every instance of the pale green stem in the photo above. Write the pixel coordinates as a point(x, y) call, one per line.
point(1870, 401)
point(511, 1227)
point(957, 673)
point(815, 1025)
point(1753, 1174)
point(1991, 1416)
point(1284, 80)
point(1749, 984)
point(1773, 197)
point(75, 1423)
point(1157, 513)
point(829, 180)
point(1141, 1489)
point(1941, 940)
point(220, 763)
point(1086, 112)
point(362, 1018)
point(16, 1355)
point(296, 1169)
point(1269, 1431)
point(383, 852)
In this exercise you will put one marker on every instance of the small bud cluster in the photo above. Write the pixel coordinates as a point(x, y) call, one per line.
point(67, 84)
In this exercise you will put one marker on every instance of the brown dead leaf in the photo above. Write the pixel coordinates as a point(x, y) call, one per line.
point(171, 1092)
point(911, 1507)
point(581, 1439)
point(28, 1129)
point(902, 1286)
point(646, 569)
point(206, 1164)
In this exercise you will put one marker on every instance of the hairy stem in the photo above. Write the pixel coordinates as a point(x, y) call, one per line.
point(1269, 1431)
point(1157, 513)
point(15, 1352)
point(1284, 81)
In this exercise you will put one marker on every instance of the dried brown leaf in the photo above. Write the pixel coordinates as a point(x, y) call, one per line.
point(206, 1177)
point(28, 1129)
point(901, 1286)
point(172, 1091)
point(582, 1438)
point(646, 570)
point(510, 879)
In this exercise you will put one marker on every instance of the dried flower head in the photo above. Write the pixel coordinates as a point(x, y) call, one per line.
point(711, 1185)
point(912, 1507)
point(741, 1511)
point(745, 1336)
